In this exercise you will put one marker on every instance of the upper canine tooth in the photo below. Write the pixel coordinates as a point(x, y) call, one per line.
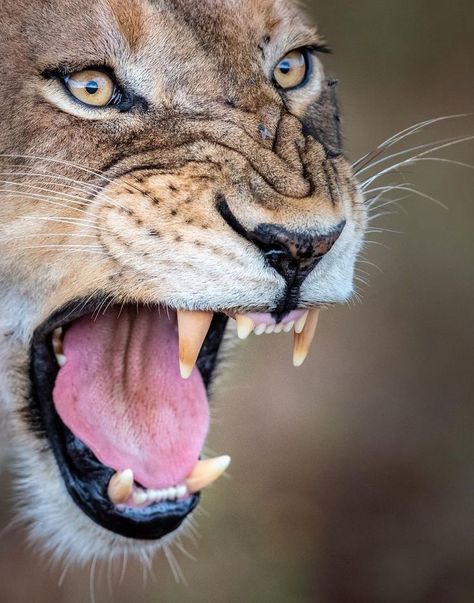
point(121, 487)
point(192, 330)
point(245, 326)
point(303, 340)
point(300, 323)
point(206, 473)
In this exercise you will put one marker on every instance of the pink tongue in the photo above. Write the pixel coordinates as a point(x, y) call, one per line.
point(121, 393)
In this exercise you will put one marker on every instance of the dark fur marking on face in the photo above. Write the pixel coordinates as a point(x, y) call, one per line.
point(322, 121)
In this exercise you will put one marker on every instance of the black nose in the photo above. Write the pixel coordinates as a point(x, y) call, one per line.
point(292, 253)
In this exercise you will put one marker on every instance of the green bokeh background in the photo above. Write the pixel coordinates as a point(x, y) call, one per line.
point(353, 478)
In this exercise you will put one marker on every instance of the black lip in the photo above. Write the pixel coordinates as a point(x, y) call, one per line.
point(85, 477)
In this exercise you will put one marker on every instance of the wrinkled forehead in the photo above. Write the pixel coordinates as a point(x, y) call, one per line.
point(227, 32)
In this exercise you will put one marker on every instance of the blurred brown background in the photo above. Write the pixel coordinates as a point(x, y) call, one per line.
point(353, 478)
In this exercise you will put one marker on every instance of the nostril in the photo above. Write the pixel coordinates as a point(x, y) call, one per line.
point(292, 254)
point(283, 247)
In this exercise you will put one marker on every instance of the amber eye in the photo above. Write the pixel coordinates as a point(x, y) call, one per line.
point(94, 88)
point(292, 71)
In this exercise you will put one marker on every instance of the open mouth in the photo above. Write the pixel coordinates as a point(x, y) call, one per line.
point(121, 396)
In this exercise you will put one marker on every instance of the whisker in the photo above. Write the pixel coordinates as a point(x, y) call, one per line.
point(67, 220)
point(412, 160)
point(41, 197)
point(60, 195)
point(405, 151)
point(410, 131)
point(71, 164)
point(80, 185)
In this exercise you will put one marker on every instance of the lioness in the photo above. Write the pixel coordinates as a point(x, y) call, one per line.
point(172, 177)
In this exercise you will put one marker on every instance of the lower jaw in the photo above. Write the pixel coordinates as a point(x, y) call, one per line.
point(86, 479)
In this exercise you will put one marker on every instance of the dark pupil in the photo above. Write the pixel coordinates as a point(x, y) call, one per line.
point(92, 87)
point(285, 67)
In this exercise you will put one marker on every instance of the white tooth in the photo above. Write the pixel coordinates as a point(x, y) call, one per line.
point(260, 329)
point(61, 359)
point(278, 328)
point(192, 329)
point(140, 497)
point(206, 473)
point(181, 491)
point(121, 487)
point(299, 325)
point(171, 494)
point(303, 341)
point(270, 329)
point(289, 327)
point(245, 326)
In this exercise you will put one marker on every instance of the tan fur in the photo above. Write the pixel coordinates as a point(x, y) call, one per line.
point(125, 204)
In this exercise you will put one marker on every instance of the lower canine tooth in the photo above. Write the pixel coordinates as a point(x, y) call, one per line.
point(121, 487)
point(303, 340)
point(206, 473)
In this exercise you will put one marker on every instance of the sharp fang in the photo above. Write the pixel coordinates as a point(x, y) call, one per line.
point(245, 326)
point(192, 329)
point(121, 487)
point(299, 324)
point(303, 340)
point(206, 473)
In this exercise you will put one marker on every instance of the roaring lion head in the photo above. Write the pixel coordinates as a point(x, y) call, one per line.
point(172, 176)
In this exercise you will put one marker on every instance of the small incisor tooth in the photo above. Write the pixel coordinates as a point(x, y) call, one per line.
point(121, 487)
point(245, 326)
point(206, 473)
point(303, 340)
point(192, 330)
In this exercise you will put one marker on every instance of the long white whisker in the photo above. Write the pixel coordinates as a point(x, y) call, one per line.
point(59, 194)
point(405, 151)
point(415, 191)
point(399, 136)
point(44, 198)
point(411, 161)
point(81, 186)
point(67, 220)
point(70, 164)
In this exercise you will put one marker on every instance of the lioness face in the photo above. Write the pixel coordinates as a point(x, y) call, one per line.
point(170, 170)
